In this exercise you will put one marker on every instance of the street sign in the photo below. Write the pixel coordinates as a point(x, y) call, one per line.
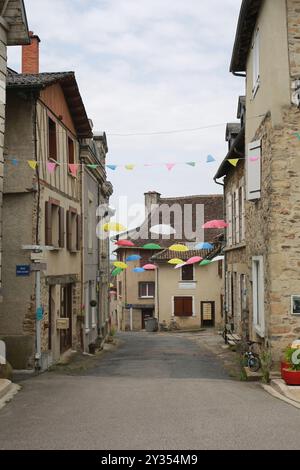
point(39, 314)
point(23, 270)
point(38, 267)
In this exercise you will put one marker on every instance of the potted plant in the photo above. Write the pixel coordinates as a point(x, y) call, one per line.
point(290, 371)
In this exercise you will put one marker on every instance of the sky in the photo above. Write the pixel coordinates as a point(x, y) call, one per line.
point(146, 66)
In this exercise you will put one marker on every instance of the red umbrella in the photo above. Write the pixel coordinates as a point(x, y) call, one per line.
point(194, 259)
point(216, 224)
point(149, 267)
point(124, 243)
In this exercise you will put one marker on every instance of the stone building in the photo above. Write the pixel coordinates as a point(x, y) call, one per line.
point(137, 293)
point(13, 32)
point(236, 267)
point(46, 121)
point(96, 191)
point(272, 166)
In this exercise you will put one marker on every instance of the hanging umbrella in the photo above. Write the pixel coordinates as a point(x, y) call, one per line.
point(180, 266)
point(215, 224)
point(205, 262)
point(194, 260)
point(218, 258)
point(124, 243)
point(175, 261)
point(204, 246)
point(113, 227)
point(116, 271)
point(133, 258)
point(149, 267)
point(138, 270)
point(163, 229)
point(179, 248)
point(120, 264)
point(152, 246)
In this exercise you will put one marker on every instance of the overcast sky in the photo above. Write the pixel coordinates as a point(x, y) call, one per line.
point(146, 66)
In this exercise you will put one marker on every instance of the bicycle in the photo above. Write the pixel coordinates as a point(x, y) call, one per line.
point(251, 359)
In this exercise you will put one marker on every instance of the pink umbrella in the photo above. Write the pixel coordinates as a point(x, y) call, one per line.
point(180, 265)
point(215, 224)
point(194, 259)
point(149, 267)
point(124, 243)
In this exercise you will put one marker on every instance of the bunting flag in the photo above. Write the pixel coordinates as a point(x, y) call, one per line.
point(92, 166)
point(129, 167)
point(233, 161)
point(32, 164)
point(51, 167)
point(73, 167)
point(111, 167)
point(297, 134)
point(254, 159)
point(210, 159)
point(191, 163)
point(170, 166)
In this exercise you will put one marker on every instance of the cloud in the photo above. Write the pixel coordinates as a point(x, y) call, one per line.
point(145, 66)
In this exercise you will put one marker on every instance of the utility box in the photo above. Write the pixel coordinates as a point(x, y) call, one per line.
point(151, 325)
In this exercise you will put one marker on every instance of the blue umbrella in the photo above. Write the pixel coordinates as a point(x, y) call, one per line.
point(138, 270)
point(133, 258)
point(204, 246)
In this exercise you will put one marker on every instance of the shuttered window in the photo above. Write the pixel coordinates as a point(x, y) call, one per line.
point(54, 225)
point(187, 272)
point(71, 154)
point(236, 217)
point(52, 141)
point(253, 172)
point(183, 306)
point(229, 218)
point(146, 290)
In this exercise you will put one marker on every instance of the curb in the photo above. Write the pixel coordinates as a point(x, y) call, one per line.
point(8, 392)
point(279, 396)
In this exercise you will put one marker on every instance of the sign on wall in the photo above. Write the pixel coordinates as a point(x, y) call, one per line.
point(22, 270)
point(295, 304)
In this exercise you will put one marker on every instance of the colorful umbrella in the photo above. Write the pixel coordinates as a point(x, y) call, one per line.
point(175, 261)
point(149, 267)
point(120, 264)
point(215, 224)
point(133, 258)
point(218, 258)
point(152, 246)
point(194, 259)
point(163, 229)
point(138, 270)
point(116, 271)
point(205, 262)
point(124, 243)
point(113, 227)
point(179, 248)
point(204, 246)
point(180, 265)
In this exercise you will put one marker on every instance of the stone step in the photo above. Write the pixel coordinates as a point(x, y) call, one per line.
point(252, 376)
point(5, 387)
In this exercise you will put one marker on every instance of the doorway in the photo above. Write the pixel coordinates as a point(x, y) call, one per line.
point(146, 313)
point(208, 314)
point(66, 312)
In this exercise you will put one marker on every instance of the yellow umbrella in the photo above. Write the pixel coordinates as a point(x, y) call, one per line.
point(120, 264)
point(113, 227)
point(175, 261)
point(178, 248)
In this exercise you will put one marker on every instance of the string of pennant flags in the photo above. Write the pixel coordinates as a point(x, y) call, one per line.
point(74, 167)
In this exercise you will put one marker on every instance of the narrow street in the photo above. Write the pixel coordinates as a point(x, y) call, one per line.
point(153, 392)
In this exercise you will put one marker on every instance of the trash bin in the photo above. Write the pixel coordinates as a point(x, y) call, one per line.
point(151, 325)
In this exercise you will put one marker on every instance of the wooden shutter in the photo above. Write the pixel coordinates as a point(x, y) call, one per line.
point(78, 232)
point(237, 216)
point(178, 306)
point(229, 218)
point(253, 171)
point(69, 230)
point(48, 223)
point(61, 240)
point(188, 306)
point(151, 289)
point(242, 214)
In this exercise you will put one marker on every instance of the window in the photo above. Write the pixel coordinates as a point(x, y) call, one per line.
point(256, 63)
point(90, 224)
point(187, 273)
point(253, 171)
point(54, 224)
point(236, 232)
point(73, 231)
point(183, 306)
point(71, 154)
point(258, 295)
point(220, 268)
point(146, 290)
point(52, 143)
point(242, 211)
point(229, 218)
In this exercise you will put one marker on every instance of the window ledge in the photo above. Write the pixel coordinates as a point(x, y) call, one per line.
point(259, 331)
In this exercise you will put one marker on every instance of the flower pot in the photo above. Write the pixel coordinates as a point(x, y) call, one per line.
point(291, 377)
point(284, 365)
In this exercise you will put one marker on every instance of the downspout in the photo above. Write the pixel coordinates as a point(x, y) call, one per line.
point(82, 255)
point(225, 260)
point(34, 118)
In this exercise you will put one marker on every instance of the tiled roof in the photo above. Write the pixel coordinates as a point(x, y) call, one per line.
point(70, 89)
point(236, 151)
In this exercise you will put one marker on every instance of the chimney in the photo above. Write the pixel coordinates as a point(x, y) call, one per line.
point(151, 198)
point(31, 55)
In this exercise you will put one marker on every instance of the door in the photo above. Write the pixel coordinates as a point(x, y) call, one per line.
point(66, 312)
point(146, 313)
point(208, 314)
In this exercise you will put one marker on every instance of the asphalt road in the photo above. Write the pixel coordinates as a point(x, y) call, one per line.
point(153, 392)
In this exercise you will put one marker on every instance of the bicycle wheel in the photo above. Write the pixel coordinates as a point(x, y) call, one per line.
point(254, 363)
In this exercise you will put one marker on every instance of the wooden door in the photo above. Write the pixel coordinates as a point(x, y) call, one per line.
point(208, 314)
point(66, 312)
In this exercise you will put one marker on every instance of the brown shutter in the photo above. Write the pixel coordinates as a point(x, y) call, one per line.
point(151, 288)
point(69, 230)
point(61, 242)
point(178, 306)
point(48, 223)
point(188, 306)
point(79, 232)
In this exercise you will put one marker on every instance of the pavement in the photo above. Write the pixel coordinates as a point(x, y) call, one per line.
point(155, 391)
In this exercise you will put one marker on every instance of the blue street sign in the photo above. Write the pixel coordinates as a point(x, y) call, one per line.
point(40, 313)
point(23, 270)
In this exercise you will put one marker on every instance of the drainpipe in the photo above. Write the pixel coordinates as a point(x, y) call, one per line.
point(225, 259)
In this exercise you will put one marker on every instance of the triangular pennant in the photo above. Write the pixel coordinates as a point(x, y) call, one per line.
point(233, 161)
point(170, 166)
point(92, 166)
point(111, 167)
point(254, 159)
point(32, 164)
point(51, 166)
point(191, 163)
point(210, 159)
point(73, 167)
point(129, 167)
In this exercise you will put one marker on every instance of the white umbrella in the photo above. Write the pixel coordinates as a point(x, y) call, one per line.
point(163, 229)
point(218, 258)
point(180, 265)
